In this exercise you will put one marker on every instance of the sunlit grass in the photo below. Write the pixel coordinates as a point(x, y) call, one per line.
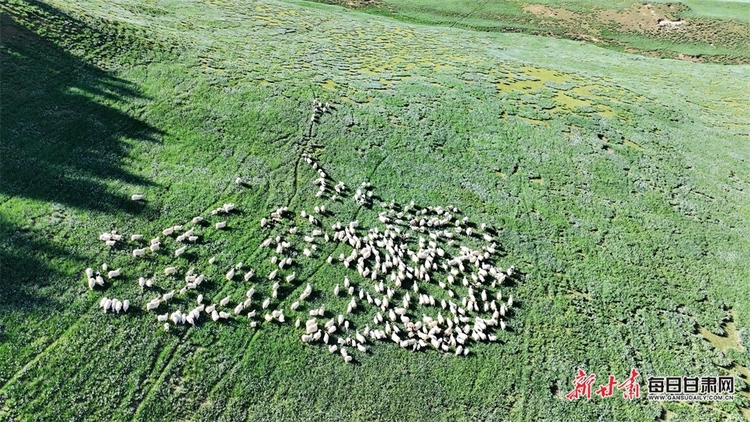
point(617, 182)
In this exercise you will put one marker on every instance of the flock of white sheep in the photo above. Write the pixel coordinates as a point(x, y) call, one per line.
point(425, 278)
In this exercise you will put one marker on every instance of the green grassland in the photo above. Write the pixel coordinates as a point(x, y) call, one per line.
point(707, 31)
point(618, 184)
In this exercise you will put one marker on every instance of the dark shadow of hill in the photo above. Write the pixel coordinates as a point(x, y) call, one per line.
point(25, 270)
point(63, 137)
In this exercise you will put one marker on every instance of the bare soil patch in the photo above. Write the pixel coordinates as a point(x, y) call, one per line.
point(542, 11)
point(688, 58)
point(641, 18)
point(357, 4)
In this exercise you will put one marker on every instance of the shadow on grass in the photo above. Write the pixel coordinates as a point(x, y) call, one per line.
point(24, 268)
point(63, 137)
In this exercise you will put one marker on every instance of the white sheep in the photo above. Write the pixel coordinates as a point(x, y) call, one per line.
point(177, 317)
point(105, 304)
point(307, 292)
point(170, 270)
point(114, 273)
point(230, 274)
point(223, 302)
point(139, 252)
point(136, 197)
point(221, 225)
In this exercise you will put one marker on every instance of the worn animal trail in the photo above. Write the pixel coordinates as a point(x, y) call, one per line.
point(426, 277)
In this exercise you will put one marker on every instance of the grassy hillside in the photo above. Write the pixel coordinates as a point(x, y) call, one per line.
point(704, 31)
point(618, 184)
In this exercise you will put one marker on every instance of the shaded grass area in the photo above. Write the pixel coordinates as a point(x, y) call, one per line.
point(618, 191)
point(63, 139)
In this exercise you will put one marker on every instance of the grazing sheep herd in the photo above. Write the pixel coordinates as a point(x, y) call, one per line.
point(426, 277)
